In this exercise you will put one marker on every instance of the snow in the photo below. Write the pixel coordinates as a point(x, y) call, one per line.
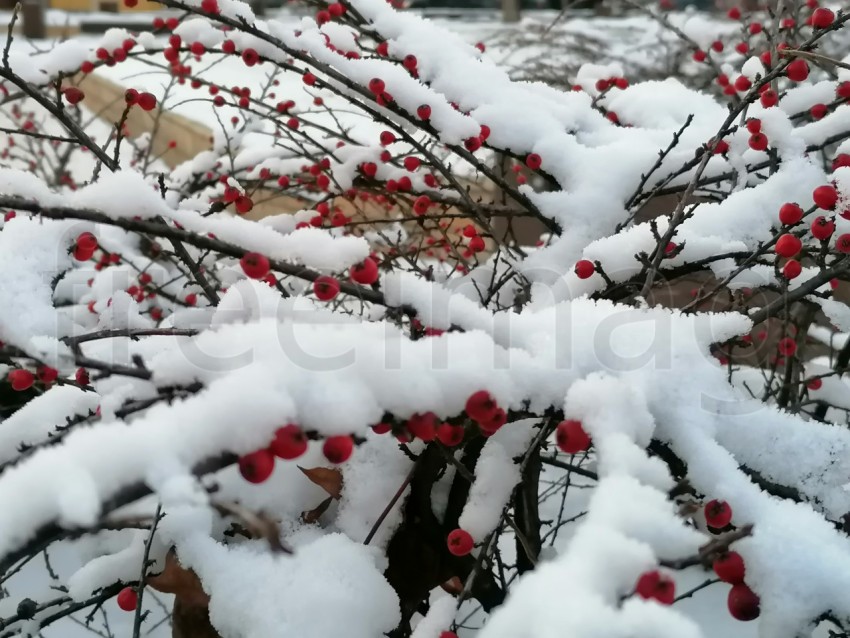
point(496, 475)
point(38, 419)
point(630, 372)
point(438, 618)
point(331, 587)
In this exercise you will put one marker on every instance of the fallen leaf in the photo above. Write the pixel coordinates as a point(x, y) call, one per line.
point(177, 580)
point(329, 479)
point(258, 525)
point(313, 515)
point(453, 585)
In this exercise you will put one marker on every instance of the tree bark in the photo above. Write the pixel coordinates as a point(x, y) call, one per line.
point(510, 10)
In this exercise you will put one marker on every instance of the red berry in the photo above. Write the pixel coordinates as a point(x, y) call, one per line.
point(825, 197)
point(656, 586)
point(822, 18)
point(584, 268)
point(250, 57)
point(822, 228)
point(81, 376)
point(243, 204)
point(787, 347)
point(743, 603)
point(86, 241)
point(424, 112)
point(496, 421)
point(309, 79)
point(720, 147)
point(758, 142)
point(257, 466)
point(460, 542)
point(734, 13)
point(336, 9)
point(366, 272)
point(20, 380)
point(818, 111)
point(742, 83)
point(73, 95)
point(255, 265)
point(481, 406)
point(147, 101)
point(533, 161)
point(472, 144)
point(700, 55)
point(381, 428)
point(423, 426)
point(325, 288)
point(210, 6)
point(450, 435)
point(788, 245)
point(289, 442)
point(797, 71)
point(729, 568)
point(387, 138)
point(792, 269)
point(718, 514)
point(571, 437)
point(790, 213)
point(412, 163)
point(754, 125)
point(46, 374)
point(410, 62)
point(377, 86)
point(131, 96)
point(477, 244)
point(841, 160)
point(842, 244)
point(421, 204)
point(369, 169)
point(191, 299)
point(814, 384)
point(338, 449)
point(448, 634)
point(82, 254)
point(127, 599)
point(228, 46)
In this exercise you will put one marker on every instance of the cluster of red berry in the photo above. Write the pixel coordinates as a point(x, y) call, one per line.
point(789, 245)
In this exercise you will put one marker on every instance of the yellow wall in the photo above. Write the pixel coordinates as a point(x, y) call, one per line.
point(107, 5)
point(73, 5)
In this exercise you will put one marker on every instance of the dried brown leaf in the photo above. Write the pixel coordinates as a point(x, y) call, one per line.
point(177, 580)
point(329, 479)
point(313, 515)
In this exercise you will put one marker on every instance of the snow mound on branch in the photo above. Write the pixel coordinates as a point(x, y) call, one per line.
point(38, 418)
point(32, 253)
point(330, 587)
point(438, 619)
point(496, 475)
point(370, 481)
point(630, 524)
